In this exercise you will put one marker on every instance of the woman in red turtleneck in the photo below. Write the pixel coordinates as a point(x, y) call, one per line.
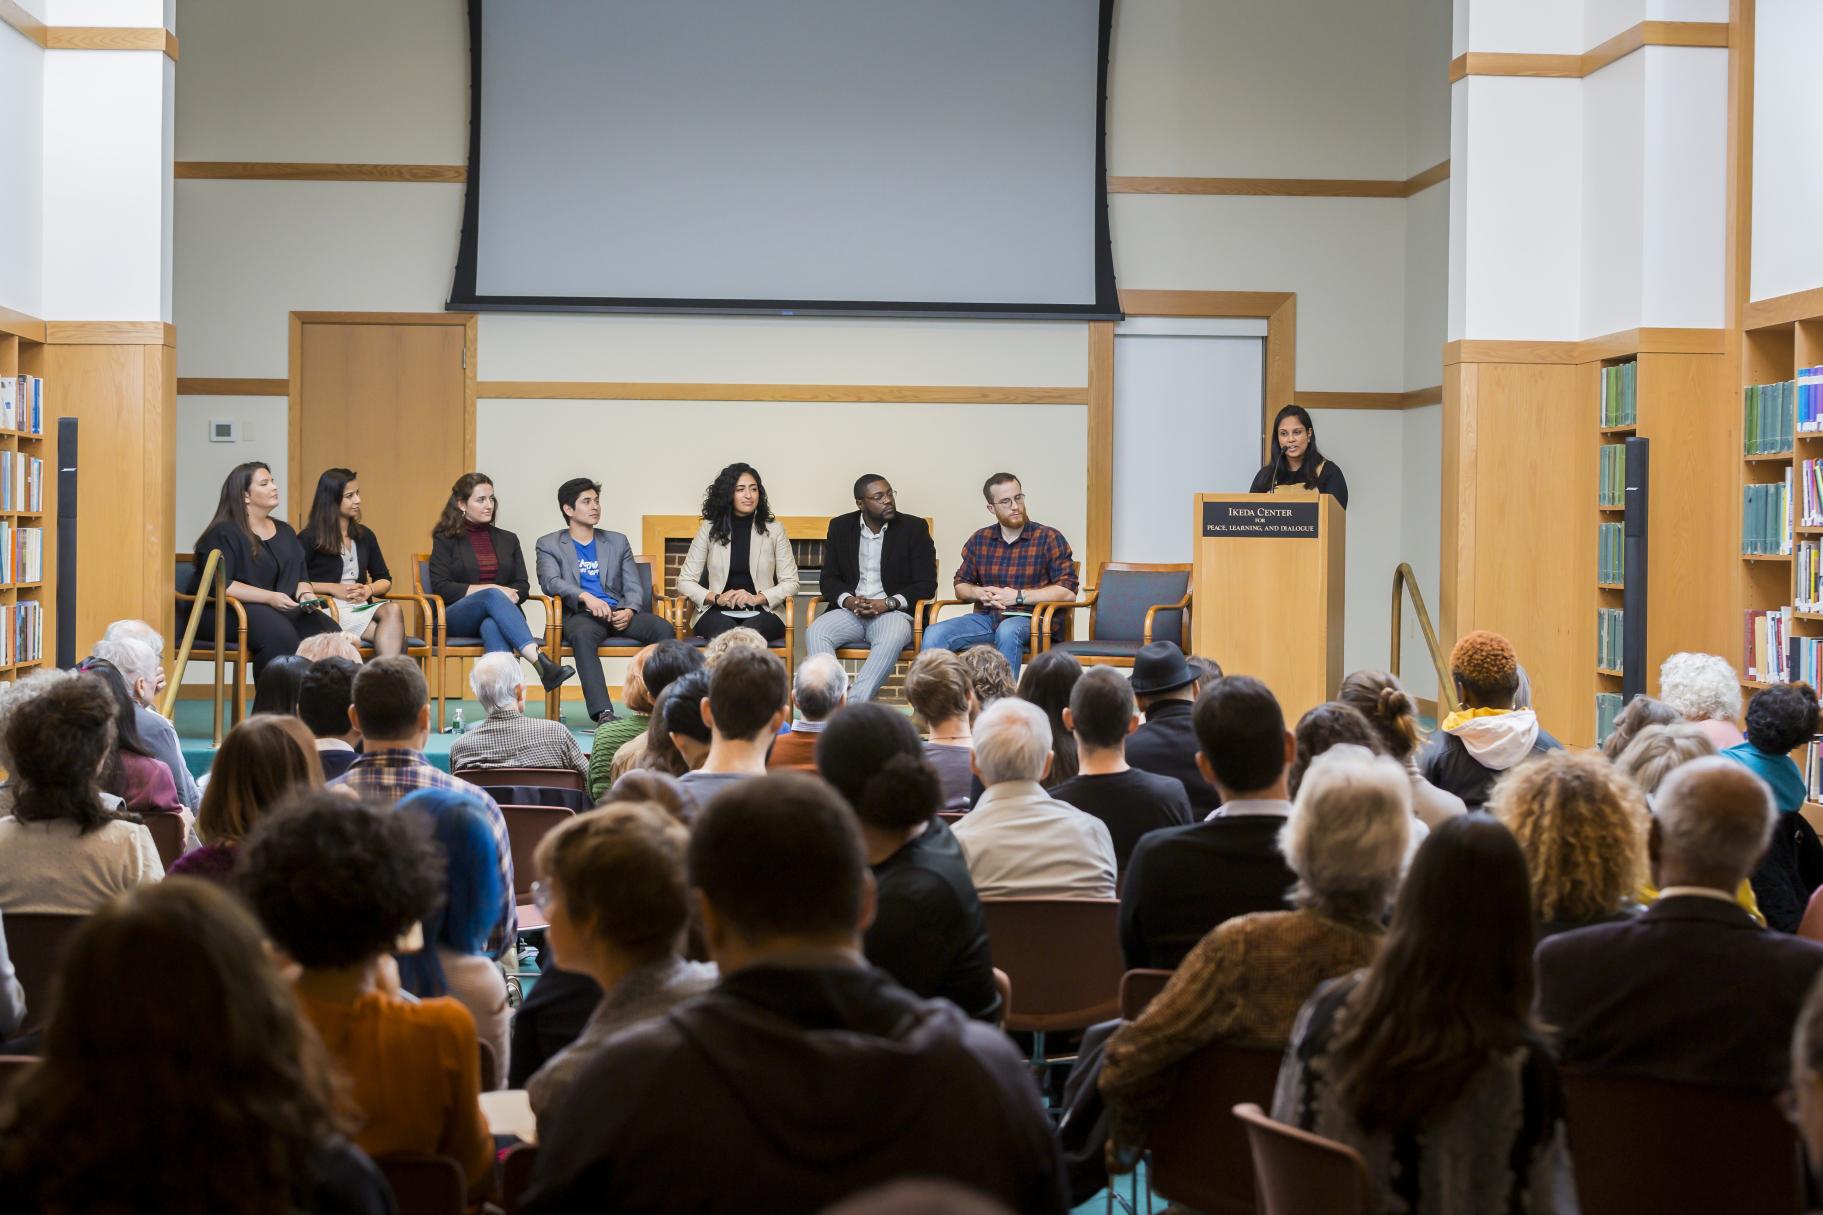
point(479, 573)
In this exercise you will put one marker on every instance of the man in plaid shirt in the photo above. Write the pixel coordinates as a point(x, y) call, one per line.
point(1007, 568)
point(392, 708)
point(508, 738)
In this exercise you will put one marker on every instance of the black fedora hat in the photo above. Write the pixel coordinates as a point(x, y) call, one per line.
point(1159, 667)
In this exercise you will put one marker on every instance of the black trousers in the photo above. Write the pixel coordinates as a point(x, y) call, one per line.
point(715, 622)
point(270, 632)
point(585, 633)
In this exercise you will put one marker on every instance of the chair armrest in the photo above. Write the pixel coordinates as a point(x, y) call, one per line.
point(426, 618)
point(1182, 605)
point(924, 614)
point(234, 605)
point(1043, 614)
point(815, 604)
point(545, 602)
point(791, 616)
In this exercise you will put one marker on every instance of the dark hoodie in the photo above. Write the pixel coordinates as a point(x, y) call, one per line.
point(788, 1088)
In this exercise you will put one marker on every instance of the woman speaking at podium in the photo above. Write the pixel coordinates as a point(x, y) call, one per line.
point(1296, 460)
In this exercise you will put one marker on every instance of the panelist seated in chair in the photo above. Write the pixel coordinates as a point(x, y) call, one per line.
point(740, 569)
point(594, 573)
point(1008, 567)
point(478, 571)
point(344, 562)
point(877, 565)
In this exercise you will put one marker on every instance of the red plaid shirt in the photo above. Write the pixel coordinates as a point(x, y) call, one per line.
point(1039, 557)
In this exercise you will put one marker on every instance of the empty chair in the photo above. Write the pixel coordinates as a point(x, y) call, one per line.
point(535, 778)
point(1200, 1157)
point(525, 826)
point(425, 1185)
point(1063, 957)
point(1130, 605)
point(1298, 1173)
point(1139, 988)
point(35, 943)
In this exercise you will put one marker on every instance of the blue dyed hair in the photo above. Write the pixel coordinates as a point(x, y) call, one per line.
point(472, 886)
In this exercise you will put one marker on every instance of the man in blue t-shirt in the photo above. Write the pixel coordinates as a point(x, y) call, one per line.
point(594, 574)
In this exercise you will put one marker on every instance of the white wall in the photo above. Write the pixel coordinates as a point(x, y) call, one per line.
point(1787, 134)
point(1421, 498)
point(1368, 444)
point(22, 152)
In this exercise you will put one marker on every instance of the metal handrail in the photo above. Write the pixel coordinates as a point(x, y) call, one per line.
point(213, 574)
point(1446, 687)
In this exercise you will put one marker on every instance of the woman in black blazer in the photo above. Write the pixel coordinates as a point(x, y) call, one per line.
point(345, 563)
point(478, 572)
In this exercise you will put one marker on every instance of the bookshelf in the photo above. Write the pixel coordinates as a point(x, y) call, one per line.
point(1779, 538)
point(1618, 420)
point(25, 522)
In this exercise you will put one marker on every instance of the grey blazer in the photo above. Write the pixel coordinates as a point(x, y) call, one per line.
point(557, 576)
point(770, 562)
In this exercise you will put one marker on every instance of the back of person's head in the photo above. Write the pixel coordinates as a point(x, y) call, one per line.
point(473, 890)
point(1657, 751)
point(1582, 826)
point(619, 872)
point(1347, 834)
point(16, 694)
point(1452, 986)
point(1102, 709)
point(1328, 725)
point(337, 882)
point(136, 661)
point(1047, 682)
point(263, 761)
point(324, 697)
point(661, 754)
point(1240, 730)
point(1207, 669)
point(58, 743)
point(919, 1196)
point(1484, 664)
point(1807, 1073)
point(276, 690)
point(1702, 687)
point(1012, 741)
point(779, 857)
point(126, 722)
point(874, 758)
point(937, 686)
point(1782, 718)
point(654, 788)
point(137, 630)
point(320, 646)
point(724, 644)
point(1641, 711)
point(633, 690)
point(390, 697)
point(496, 681)
point(171, 1034)
point(1714, 817)
point(747, 690)
point(821, 684)
point(989, 674)
point(1388, 708)
point(683, 706)
point(671, 659)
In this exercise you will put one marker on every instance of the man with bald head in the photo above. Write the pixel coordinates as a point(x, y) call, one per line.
point(1693, 991)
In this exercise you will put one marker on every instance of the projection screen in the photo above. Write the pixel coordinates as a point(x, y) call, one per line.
point(884, 157)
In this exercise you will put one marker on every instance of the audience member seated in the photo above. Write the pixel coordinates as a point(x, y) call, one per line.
point(1489, 734)
point(1807, 1078)
point(345, 564)
point(329, 645)
point(928, 931)
point(453, 959)
point(177, 1075)
point(1166, 686)
point(740, 569)
point(1429, 1063)
point(1047, 682)
point(1101, 714)
point(276, 690)
point(1582, 827)
point(1183, 881)
point(1693, 991)
point(861, 1081)
point(613, 892)
point(14, 696)
point(1020, 842)
point(263, 761)
point(133, 773)
point(723, 644)
point(1779, 720)
point(670, 661)
point(991, 680)
point(1389, 709)
point(392, 710)
point(747, 703)
point(324, 699)
point(614, 733)
point(1641, 711)
point(339, 885)
point(1705, 689)
point(938, 689)
point(1328, 725)
point(677, 738)
point(508, 738)
point(478, 571)
point(138, 664)
point(1346, 840)
point(821, 686)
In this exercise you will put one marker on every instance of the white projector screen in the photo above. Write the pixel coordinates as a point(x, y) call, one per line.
point(897, 157)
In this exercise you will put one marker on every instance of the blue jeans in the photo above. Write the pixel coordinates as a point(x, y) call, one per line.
point(491, 614)
point(963, 632)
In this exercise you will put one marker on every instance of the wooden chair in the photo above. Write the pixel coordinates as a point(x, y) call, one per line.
point(515, 1175)
point(1004, 985)
point(1199, 1153)
point(860, 651)
point(1649, 1145)
point(425, 1185)
point(419, 622)
point(1041, 619)
point(1063, 957)
point(168, 834)
point(1298, 1173)
point(682, 609)
point(1132, 604)
point(13, 1069)
point(236, 654)
point(1139, 988)
point(35, 943)
point(532, 778)
point(951, 816)
point(443, 646)
point(612, 647)
point(525, 826)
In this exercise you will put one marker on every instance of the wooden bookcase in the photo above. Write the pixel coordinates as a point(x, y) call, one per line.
point(1771, 355)
point(1609, 593)
point(24, 355)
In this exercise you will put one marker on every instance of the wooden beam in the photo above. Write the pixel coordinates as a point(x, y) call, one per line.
point(1589, 350)
point(1633, 38)
point(109, 38)
point(20, 325)
point(640, 390)
point(199, 386)
point(239, 170)
point(14, 14)
point(110, 333)
point(1369, 400)
point(1099, 543)
point(1203, 303)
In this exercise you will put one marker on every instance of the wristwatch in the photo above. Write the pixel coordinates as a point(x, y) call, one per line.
point(1019, 599)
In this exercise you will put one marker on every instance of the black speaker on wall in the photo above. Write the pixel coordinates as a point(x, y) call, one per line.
point(1633, 597)
point(66, 542)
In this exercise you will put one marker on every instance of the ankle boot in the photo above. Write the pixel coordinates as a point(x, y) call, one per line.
point(551, 675)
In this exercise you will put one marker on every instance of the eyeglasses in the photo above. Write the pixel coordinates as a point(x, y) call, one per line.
point(1015, 500)
point(542, 895)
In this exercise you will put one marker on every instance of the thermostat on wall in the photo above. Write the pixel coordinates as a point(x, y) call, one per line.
point(224, 432)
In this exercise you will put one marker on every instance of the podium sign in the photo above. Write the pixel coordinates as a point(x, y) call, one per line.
point(1262, 517)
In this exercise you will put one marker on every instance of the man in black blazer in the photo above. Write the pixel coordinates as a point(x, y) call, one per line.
point(877, 564)
point(1183, 881)
point(1165, 745)
point(1693, 991)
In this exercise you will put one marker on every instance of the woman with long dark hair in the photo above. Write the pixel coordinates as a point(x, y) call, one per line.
point(1047, 682)
point(344, 563)
point(278, 687)
point(133, 772)
point(1296, 460)
point(479, 572)
point(264, 564)
point(1428, 1063)
point(264, 760)
point(740, 569)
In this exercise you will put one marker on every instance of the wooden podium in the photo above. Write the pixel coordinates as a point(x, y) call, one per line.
point(1269, 591)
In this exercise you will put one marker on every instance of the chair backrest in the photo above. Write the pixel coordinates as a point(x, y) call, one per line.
point(950, 816)
point(1199, 1152)
point(645, 579)
point(525, 826)
point(35, 943)
point(1063, 956)
point(420, 573)
point(1004, 985)
point(1123, 593)
point(12, 1069)
point(1139, 988)
point(539, 795)
point(536, 778)
point(515, 1175)
point(1298, 1173)
point(1647, 1145)
point(425, 1185)
point(168, 834)
point(490, 1066)
point(185, 570)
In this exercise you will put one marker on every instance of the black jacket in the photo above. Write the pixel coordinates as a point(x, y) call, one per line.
point(929, 932)
point(1789, 873)
point(1183, 881)
point(369, 561)
point(1166, 746)
point(453, 568)
point(908, 559)
point(551, 1017)
point(1446, 763)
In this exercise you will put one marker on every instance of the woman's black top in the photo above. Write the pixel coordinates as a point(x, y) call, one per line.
point(740, 559)
point(370, 564)
point(278, 566)
point(1329, 480)
point(928, 932)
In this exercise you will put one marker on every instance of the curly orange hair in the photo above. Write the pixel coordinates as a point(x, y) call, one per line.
point(1582, 827)
point(1485, 661)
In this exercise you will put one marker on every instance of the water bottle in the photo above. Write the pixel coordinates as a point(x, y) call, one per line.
point(456, 726)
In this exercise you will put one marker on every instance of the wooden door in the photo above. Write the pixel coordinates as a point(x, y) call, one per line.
point(392, 396)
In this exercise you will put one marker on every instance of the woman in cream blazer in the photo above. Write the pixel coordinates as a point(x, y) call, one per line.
point(740, 569)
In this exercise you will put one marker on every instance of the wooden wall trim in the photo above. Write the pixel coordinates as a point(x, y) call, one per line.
point(1413, 399)
point(14, 15)
point(1574, 67)
point(110, 38)
point(110, 333)
point(1204, 303)
point(910, 394)
point(1589, 350)
point(1782, 309)
point(1283, 187)
point(1099, 542)
point(198, 386)
point(21, 325)
point(238, 170)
